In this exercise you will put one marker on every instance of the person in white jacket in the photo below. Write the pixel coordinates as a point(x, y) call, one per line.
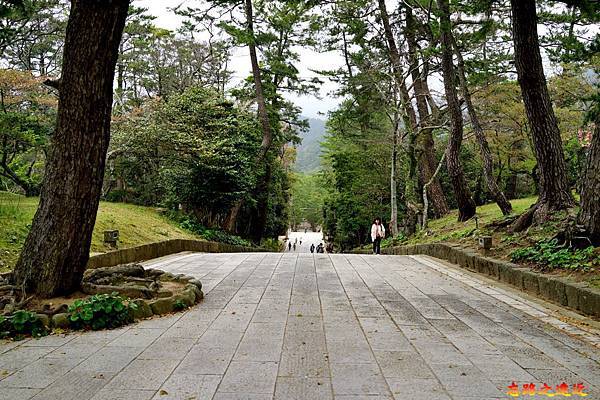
point(377, 235)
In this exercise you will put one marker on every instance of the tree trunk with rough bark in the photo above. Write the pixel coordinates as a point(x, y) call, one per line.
point(262, 204)
point(484, 148)
point(466, 205)
point(555, 194)
point(394, 180)
point(425, 187)
point(56, 252)
point(409, 117)
point(589, 215)
point(425, 142)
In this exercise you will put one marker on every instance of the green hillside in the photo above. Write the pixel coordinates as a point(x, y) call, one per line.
point(137, 225)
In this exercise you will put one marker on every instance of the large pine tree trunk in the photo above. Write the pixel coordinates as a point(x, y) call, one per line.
point(411, 197)
point(436, 192)
point(56, 251)
point(589, 215)
point(484, 148)
point(394, 180)
point(262, 204)
point(425, 142)
point(555, 193)
point(466, 205)
point(267, 141)
point(263, 114)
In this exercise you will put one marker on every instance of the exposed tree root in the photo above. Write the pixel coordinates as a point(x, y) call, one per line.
point(502, 223)
point(525, 220)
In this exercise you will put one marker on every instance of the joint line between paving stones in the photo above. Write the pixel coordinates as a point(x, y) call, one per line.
point(253, 313)
point(581, 334)
point(358, 320)
point(287, 317)
point(180, 316)
point(323, 322)
point(393, 320)
point(527, 342)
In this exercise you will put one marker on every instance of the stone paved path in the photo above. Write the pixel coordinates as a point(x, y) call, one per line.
point(294, 326)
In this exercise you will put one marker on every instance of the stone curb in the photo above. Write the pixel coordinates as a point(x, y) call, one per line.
point(161, 249)
point(578, 296)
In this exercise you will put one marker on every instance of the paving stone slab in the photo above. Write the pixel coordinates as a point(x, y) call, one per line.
point(76, 385)
point(206, 360)
point(167, 348)
point(143, 375)
point(403, 364)
point(250, 377)
point(22, 394)
point(188, 386)
point(358, 379)
point(288, 388)
point(110, 359)
point(417, 389)
point(40, 374)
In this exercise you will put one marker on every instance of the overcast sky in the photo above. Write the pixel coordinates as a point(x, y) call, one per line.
point(313, 106)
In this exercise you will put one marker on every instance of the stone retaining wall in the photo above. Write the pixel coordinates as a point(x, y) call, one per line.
point(161, 249)
point(579, 296)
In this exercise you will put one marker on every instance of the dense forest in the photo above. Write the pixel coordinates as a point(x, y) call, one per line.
point(444, 104)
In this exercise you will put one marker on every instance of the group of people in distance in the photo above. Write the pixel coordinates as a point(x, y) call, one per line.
point(377, 235)
point(319, 248)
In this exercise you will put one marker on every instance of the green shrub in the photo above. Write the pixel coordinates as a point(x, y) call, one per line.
point(102, 311)
point(394, 241)
point(20, 324)
point(273, 245)
point(180, 305)
point(213, 235)
point(549, 253)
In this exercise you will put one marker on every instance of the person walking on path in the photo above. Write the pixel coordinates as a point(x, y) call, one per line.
point(294, 246)
point(312, 248)
point(377, 235)
point(290, 245)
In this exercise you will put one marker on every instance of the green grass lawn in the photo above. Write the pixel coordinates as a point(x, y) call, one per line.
point(137, 225)
point(449, 229)
point(467, 234)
